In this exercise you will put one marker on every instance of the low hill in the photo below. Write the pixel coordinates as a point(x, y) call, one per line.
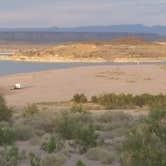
point(125, 49)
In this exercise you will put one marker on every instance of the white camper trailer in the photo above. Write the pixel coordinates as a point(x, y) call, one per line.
point(17, 86)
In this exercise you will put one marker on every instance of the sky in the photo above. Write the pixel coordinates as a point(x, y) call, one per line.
point(71, 13)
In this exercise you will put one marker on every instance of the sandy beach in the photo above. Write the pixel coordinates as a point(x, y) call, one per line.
point(61, 85)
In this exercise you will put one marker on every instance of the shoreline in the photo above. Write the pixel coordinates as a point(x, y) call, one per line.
point(83, 60)
point(61, 85)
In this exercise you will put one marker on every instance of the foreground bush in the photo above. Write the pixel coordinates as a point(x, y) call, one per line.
point(10, 156)
point(23, 132)
point(7, 136)
point(5, 112)
point(30, 110)
point(73, 126)
point(34, 160)
point(79, 98)
point(50, 145)
point(146, 144)
point(77, 108)
point(80, 163)
point(54, 159)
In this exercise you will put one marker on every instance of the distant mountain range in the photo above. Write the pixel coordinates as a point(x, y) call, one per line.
point(55, 34)
point(133, 28)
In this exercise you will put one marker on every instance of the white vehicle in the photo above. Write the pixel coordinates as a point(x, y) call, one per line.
point(17, 86)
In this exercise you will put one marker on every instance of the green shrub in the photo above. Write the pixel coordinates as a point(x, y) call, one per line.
point(113, 101)
point(77, 108)
point(51, 145)
point(94, 99)
point(67, 124)
point(80, 163)
point(30, 110)
point(23, 132)
point(7, 136)
point(80, 98)
point(5, 112)
point(10, 156)
point(86, 137)
point(73, 126)
point(146, 144)
point(34, 160)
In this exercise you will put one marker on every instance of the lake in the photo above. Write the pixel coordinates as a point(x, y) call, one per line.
point(11, 67)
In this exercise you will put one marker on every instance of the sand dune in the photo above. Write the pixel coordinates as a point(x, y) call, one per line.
point(60, 85)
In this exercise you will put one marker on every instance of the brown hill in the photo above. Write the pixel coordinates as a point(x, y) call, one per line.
point(129, 48)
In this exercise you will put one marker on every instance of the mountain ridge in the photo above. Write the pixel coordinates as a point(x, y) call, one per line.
point(87, 33)
point(130, 28)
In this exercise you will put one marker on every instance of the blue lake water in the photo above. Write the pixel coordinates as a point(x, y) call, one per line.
point(11, 67)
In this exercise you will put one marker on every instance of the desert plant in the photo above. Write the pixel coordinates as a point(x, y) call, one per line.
point(5, 112)
point(72, 126)
point(10, 156)
point(77, 108)
point(146, 144)
point(86, 137)
point(94, 99)
point(80, 98)
point(30, 110)
point(80, 163)
point(7, 136)
point(34, 160)
point(23, 132)
point(51, 145)
point(113, 101)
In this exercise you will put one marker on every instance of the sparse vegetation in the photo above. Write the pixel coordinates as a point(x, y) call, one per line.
point(80, 163)
point(10, 156)
point(7, 136)
point(34, 160)
point(5, 112)
point(146, 143)
point(80, 98)
point(23, 132)
point(73, 126)
point(105, 136)
point(51, 145)
point(30, 110)
point(113, 101)
point(77, 108)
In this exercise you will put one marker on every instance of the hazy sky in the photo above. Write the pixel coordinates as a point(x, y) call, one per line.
point(44, 13)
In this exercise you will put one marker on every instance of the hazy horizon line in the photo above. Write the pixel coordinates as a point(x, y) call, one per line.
point(97, 25)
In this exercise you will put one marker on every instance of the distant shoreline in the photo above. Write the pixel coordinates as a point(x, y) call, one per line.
point(83, 60)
